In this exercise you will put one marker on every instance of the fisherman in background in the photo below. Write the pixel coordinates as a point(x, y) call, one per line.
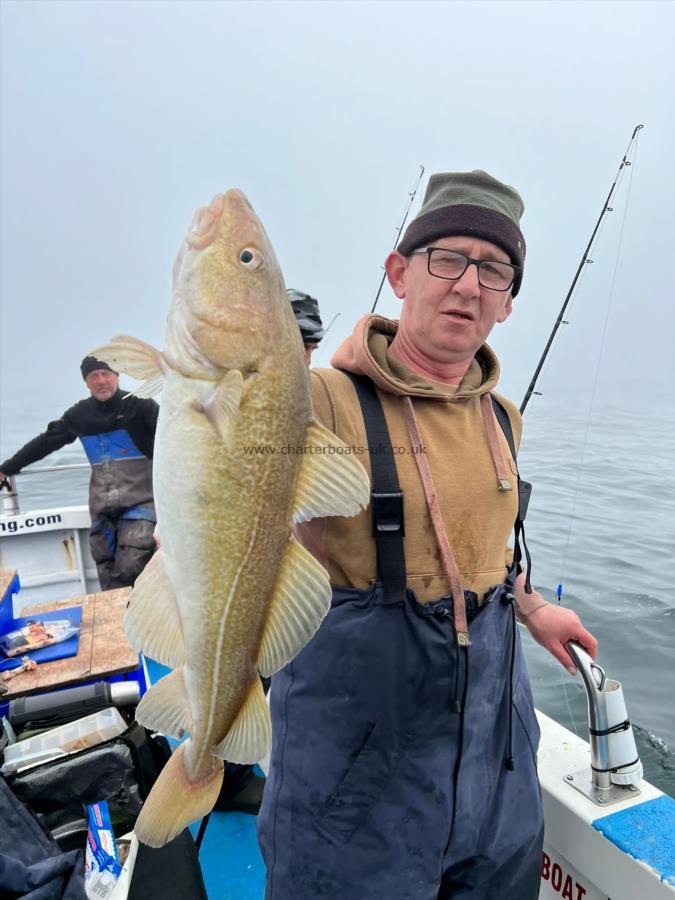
point(308, 317)
point(118, 437)
point(404, 753)
point(242, 789)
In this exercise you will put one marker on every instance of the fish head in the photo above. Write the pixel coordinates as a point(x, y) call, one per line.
point(229, 301)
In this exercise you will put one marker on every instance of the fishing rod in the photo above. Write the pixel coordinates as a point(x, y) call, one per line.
point(584, 261)
point(400, 229)
point(328, 327)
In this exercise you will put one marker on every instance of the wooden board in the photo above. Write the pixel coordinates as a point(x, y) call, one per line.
point(103, 649)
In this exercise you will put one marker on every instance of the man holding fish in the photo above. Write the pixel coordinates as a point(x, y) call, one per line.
point(404, 750)
point(404, 756)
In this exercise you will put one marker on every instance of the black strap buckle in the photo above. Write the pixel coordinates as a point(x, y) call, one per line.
point(387, 512)
point(524, 493)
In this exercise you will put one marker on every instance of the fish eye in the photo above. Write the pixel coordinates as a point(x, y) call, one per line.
point(250, 257)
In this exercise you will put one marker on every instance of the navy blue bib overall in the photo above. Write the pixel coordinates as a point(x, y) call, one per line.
point(389, 774)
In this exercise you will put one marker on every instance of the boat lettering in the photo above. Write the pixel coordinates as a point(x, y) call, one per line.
point(13, 525)
point(561, 882)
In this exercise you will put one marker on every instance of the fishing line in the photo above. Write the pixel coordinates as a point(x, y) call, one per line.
point(578, 277)
point(573, 301)
point(556, 344)
point(559, 590)
point(595, 382)
point(584, 260)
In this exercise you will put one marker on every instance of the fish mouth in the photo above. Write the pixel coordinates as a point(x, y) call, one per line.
point(205, 222)
point(204, 226)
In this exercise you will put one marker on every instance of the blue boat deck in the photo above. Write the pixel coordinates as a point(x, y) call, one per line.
point(231, 863)
point(230, 860)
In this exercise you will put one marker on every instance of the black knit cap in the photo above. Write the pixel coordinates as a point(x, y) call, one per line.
point(90, 364)
point(473, 204)
point(307, 316)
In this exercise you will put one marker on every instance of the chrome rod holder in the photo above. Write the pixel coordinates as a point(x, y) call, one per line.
point(615, 765)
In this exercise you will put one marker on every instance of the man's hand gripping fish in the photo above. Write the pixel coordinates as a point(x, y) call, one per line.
point(230, 594)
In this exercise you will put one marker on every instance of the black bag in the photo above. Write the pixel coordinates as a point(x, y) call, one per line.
point(31, 863)
point(120, 771)
point(170, 872)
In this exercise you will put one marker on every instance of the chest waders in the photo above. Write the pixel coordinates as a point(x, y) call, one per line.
point(403, 766)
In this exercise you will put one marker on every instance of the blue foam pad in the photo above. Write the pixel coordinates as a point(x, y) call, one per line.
point(646, 832)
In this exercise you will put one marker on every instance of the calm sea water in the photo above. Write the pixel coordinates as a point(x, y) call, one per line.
point(601, 522)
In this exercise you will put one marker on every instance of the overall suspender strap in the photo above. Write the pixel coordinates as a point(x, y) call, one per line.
point(448, 557)
point(524, 492)
point(386, 494)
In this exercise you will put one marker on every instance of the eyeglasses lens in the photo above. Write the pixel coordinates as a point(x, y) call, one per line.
point(491, 274)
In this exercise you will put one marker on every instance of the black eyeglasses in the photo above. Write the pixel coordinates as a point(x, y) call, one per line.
point(451, 265)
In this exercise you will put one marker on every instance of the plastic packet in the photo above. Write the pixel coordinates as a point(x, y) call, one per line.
point(102, 868)
point(36, 634)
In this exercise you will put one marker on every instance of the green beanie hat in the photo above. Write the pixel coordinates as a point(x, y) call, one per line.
point(473, 204)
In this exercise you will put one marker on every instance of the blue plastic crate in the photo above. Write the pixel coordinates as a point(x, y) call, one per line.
point(7, 605)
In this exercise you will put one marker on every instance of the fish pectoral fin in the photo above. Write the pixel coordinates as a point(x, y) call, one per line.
point(222, 407)
point(136, 358)
point(250, 736)
point(150, 388)
point(153, 623)
point(165, 707)
point(299, 604)
point(329, 483)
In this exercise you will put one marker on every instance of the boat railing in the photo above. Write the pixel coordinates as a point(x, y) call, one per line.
point(8, 489)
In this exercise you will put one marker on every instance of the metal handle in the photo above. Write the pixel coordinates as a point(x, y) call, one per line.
point(597, 711)
point(605, 702)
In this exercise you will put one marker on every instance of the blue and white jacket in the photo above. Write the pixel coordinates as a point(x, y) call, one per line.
point(118, 437)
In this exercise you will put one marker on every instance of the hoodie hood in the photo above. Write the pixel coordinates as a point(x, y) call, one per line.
point(367, 352)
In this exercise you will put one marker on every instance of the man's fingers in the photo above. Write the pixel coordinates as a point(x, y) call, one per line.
point(586, 639)
point(563, 657)
point(580, 636)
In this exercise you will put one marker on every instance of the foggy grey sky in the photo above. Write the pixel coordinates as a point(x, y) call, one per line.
point(119, 119)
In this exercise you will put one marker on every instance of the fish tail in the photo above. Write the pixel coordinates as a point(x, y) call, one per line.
point(176, 800)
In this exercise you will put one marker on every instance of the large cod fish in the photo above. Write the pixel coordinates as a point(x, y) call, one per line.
point(231, 594)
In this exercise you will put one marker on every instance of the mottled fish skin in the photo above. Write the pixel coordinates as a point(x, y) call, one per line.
point(230, 593)
point(224, 515)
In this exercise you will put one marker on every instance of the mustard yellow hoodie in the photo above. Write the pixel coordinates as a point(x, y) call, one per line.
point(478, 516)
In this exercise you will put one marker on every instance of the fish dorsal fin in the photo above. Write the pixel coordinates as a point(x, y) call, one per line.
point(250, 736)
point(153, 622)
point(136, 358)
point(329, 483)
point(222, 407)
point(165, 707)
point(300, 601)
